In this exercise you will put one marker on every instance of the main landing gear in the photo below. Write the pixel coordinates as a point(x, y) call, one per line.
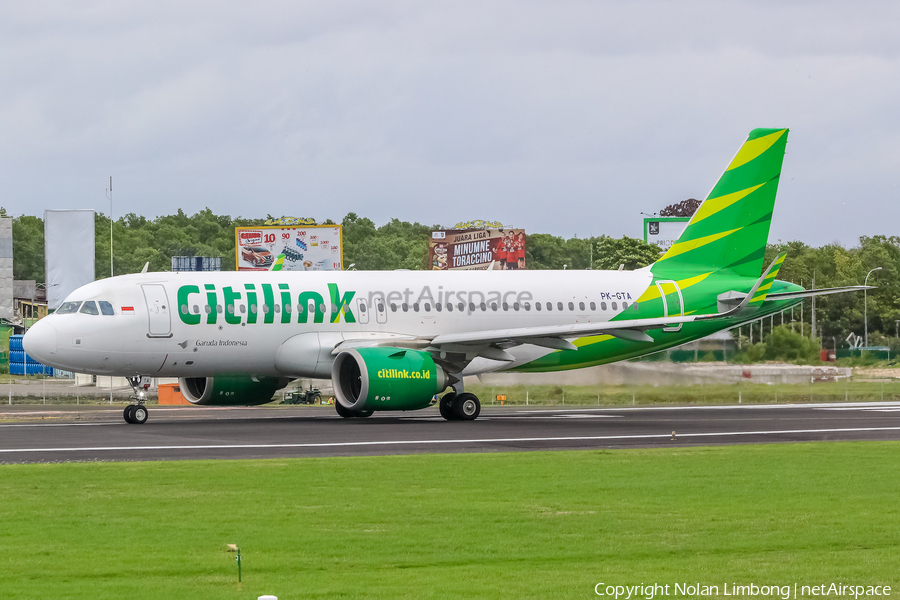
point(459, 407)
point(137, 414)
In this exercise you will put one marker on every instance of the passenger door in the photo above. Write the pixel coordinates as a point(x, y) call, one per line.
point(160, 324)
point(673, 302)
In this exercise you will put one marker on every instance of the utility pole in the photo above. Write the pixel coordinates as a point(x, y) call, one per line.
point(812, 332)
point(109, 195)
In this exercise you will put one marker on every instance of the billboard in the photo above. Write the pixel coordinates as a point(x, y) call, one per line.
point(6, 269)
point(664, 231)
point(477, 249)
point(305, 247)
point(68, 252)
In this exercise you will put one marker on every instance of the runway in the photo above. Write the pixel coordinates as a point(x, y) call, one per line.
point(31, 434)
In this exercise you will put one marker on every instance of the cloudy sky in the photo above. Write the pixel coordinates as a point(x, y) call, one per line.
point(565, 117)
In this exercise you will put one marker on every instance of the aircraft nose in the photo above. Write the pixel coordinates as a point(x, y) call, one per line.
point(40, 341)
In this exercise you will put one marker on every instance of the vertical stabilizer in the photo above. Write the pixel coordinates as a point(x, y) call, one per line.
point(730, 229)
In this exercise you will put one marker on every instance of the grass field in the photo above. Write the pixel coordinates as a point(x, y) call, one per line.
point(512, 525)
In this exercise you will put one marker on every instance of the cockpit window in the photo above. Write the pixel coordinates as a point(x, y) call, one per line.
point(89, 308)
point(106, 308)
point(67, 308)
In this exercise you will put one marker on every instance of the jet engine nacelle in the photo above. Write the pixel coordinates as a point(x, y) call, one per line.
point(386, 379)
point(230, 390)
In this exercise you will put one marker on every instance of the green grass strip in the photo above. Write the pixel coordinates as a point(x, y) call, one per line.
point(505, 525)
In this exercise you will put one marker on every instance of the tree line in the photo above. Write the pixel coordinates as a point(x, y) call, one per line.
point(404, 245)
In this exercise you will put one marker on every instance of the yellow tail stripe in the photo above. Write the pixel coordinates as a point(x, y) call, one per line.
point(754, 148)
point(682, 247)
point(652, 292)
point(714, 205)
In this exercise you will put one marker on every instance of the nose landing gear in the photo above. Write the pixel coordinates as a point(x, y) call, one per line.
point(137, 414)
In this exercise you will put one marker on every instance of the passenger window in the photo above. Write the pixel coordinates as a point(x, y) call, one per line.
point(380, 307)
point(321, 308)
point(581, 306)
point(603, 306)
point(277, 308)
point(571, 306)
point(494, 306)
point(449, 307)
point(334, 308)
point(624, 306)
point(437, 307)
point(362, 307)
point(427, 307)
point(299, 309)
point(231, 308)
point(483, 307)
point(416, 306)
point(527, 306)
point(405, 307)
point(471, 307)
point(461, 307)
point(634, 306)
point(393, 307)
point(505, 306)
point(593, 306)
point(107, 309)
point(515, 306)
point(253, 309)
point(68, 308)
point(208, 309)
point(243, 309)
point(559, 306)
point(549, 306)
point(537, 306)
point(615, 306)
point(89, 308)
point(287, 308)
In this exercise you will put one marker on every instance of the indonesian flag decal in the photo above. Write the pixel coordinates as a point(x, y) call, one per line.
point(127, 310)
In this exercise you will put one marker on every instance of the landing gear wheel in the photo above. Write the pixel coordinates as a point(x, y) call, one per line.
point(445, 405)
point(362, 414)
point(139, 414)
point(466, 407)
point(127, 414)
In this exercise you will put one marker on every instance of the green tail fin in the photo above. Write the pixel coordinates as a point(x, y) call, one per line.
point(730, 230)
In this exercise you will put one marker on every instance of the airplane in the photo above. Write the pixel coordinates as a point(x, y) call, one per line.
point(393, 341)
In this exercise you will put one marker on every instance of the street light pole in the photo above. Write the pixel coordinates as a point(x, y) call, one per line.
point(866, 305)
point(109, 195)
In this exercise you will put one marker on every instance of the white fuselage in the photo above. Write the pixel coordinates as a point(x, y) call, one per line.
point(204, 324)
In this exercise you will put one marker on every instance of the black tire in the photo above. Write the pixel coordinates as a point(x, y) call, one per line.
point(139, 414)
point(466, 407)
point(127, 414)
point(342, 411)
point(362, 414)
point(445, 405)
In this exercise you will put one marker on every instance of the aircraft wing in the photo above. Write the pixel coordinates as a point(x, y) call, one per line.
point(633, 330)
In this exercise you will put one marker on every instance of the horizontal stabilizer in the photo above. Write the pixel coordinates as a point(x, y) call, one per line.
point(820, 292)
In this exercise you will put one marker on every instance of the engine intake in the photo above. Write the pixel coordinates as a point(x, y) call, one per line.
point(386, 379)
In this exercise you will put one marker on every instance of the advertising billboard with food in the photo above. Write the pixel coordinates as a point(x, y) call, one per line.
point(305, 247)
point(477, 249)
